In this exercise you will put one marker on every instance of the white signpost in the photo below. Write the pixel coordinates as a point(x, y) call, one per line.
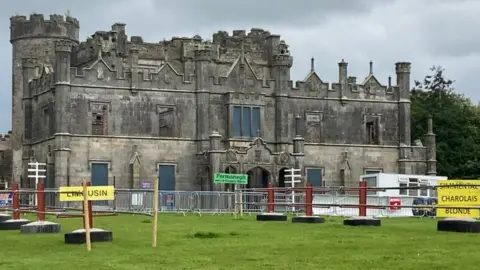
point(293, 180)
point(39, 171)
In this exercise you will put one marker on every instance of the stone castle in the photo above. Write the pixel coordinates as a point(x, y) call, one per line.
point(123, 111)
point(5, 160)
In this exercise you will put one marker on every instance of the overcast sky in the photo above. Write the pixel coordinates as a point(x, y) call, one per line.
point(423, 32)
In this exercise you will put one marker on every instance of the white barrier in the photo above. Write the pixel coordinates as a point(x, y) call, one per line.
point(353, 200)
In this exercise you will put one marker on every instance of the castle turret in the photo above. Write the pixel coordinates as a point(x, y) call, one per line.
point(431, 149)
point(29, 66)
point(63, 50)
point(202, 58)
point(280, 64)
point(342, 77)
point(27, 37)
point(403, 83)
point(215, 158)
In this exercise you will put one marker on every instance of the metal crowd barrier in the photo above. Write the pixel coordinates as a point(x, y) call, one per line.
point(250, 202)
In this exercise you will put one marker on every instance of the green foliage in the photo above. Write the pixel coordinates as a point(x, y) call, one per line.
point(456, 123)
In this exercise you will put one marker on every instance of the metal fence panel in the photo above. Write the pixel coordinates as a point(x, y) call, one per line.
point(333, 203)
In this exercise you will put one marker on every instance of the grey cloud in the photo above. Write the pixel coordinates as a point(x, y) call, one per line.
point(455, 36)
point(280, 13)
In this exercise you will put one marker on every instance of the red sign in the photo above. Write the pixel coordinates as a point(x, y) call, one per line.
point(394, 203)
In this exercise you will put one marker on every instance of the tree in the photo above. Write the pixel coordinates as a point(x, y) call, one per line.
point(456, 122)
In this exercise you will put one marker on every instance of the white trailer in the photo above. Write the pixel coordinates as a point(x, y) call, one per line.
point(402, 181)
point(393, 199)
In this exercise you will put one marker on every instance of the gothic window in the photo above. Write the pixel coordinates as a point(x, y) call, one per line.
point(48, 122)
point(135, 172)
point(166, 121)
point(246, 121)
point(45, 117)
point(99, 121)
point(372, 131)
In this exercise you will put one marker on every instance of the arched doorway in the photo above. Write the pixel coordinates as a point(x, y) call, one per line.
point(258, 178)
point(230, 187)
point(281, 177)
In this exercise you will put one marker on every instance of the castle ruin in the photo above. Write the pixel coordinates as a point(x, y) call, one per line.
point(121, 111)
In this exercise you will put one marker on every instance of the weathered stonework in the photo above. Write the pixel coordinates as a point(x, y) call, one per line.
point(184, 102)
point(5, 160)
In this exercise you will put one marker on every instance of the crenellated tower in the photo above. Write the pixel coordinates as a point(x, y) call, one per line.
point(404, 127)
point(431, 148)
point(63, 50)
point(32, 38)
point(203, 57)
point(280, 63)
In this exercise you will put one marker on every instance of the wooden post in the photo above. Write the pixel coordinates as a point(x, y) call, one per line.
point(90, 209)
point(155, 212)
point(235, 201)
point(270, 198)
point(86, 216)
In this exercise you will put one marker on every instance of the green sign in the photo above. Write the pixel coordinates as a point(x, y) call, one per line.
point(229, 178)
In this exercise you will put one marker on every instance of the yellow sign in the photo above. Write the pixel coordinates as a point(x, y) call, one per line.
point(458, 193)
point(94, 193)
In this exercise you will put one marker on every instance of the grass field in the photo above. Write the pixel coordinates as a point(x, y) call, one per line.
point(220, 242)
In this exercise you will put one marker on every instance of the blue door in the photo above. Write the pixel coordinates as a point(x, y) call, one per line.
point(166, 177)
point(314, 176)
point(99, 174)
point(99, 178)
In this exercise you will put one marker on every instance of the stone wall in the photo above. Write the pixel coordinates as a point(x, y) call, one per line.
point(118, 100)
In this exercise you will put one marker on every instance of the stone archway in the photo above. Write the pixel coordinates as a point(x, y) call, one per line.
point(258, 177)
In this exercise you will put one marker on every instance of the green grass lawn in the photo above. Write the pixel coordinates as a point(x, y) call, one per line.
point(221, 242)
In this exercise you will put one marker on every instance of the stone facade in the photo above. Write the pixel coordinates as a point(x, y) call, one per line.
point(5, 160)
point(187, 108)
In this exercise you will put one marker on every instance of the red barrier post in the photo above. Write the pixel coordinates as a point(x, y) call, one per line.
point(270, 198)
point(308, 200)
point(40, 202)
point(362, 199)
point(15, 202)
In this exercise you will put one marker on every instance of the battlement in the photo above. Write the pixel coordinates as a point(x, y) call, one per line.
point(402, 67)
point(63, 46)
point(58, 26)
point(159, 65)
point(5, 140)
point(225, 47)
point(91, 42)
point(282, 60)
point(255, 33)
point(203, 51)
